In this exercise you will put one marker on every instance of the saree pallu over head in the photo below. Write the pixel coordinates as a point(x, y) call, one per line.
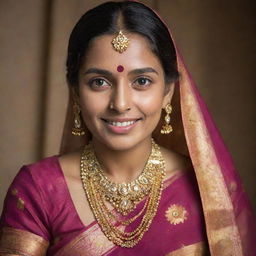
point(228, 216)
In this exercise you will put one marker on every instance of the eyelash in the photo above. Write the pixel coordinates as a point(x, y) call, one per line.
point(139, 86)
point(149, 82)
point(92, 81)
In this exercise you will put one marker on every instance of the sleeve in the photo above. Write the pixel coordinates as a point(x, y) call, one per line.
point(24, 223)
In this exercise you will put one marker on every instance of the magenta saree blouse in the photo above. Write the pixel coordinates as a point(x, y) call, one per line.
point(39, 218)
point(203, 211)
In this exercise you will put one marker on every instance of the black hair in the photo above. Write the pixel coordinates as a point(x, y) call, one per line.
point(110, 18)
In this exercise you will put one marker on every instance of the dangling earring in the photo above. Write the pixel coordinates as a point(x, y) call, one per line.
point(167, 128)
point(77, 130)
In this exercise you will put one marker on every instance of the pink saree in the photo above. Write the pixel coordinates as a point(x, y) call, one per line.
point(203, 211)
point(39, 218)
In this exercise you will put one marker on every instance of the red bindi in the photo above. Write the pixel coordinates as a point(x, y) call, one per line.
point(120, 68)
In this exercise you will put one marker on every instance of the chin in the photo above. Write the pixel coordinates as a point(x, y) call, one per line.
point(122, 143)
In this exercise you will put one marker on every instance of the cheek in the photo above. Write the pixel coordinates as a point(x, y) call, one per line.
point(151, 104)
point(91, 107)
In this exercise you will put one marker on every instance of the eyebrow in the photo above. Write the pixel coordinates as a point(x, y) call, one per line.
point(143, 70)
point(137, 71)
point(98, 71)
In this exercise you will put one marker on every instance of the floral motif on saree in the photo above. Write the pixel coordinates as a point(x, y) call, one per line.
point(93, 241)
point(176, 214)
point(45, 209)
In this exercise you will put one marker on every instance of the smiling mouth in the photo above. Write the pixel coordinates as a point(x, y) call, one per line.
point(121, 124)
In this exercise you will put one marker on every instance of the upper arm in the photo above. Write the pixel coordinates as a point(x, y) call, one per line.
point(24, 220)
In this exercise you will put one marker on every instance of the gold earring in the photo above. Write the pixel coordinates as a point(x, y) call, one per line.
point(77, 130)
point(167, 128)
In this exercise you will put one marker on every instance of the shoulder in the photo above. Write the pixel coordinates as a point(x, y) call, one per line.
point(39, 176)
point(181, 181)
point(180, 172)
point(175, 161)
point(41, 169)
point(70, 164)
point(27, 205)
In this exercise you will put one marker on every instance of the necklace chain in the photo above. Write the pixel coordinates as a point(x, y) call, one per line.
point(123, 197)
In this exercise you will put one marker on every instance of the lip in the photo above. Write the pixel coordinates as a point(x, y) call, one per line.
point(120, 125)
point(127, 119)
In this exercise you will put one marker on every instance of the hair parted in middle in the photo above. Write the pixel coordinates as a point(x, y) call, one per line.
point(111, 17)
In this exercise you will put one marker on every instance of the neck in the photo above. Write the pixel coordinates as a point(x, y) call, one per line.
point(122, 165)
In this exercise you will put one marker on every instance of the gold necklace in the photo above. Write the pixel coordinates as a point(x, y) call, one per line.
point(123, 197)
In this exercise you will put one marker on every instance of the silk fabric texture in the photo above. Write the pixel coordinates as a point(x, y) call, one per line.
point(40, 218)
point(227, 211)
point(228, 217)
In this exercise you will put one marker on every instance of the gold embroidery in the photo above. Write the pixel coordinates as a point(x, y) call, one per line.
point(213, 190)
point(19, 242)
point(93, 241)
point(198, 249)
point(20, 204)
point(14, 192)
point(219, 219)
point(176, 214)
point(221, 244)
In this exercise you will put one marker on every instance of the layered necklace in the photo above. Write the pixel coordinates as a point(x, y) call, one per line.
point(123, 197)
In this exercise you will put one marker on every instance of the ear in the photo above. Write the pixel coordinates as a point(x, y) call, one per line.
point(168, 94)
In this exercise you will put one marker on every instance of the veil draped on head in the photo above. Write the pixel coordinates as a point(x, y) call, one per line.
point(228, 216)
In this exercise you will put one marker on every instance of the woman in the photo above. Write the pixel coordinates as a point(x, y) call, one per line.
point(123, 193)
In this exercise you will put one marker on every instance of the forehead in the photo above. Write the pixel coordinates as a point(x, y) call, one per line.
point(101, 53)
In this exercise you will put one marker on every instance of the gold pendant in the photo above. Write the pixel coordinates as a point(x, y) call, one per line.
point(123, 197)
point(120, 42)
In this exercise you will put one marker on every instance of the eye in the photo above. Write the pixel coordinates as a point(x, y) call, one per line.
point(142, 82)
point(98, 83)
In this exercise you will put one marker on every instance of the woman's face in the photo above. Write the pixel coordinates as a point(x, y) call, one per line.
point(121, 94)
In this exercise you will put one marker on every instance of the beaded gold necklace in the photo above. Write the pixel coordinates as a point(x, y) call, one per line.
point(123, 197)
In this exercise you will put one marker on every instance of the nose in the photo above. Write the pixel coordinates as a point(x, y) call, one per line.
point(121, 98)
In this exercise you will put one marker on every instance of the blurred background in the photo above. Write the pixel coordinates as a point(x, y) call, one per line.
point(216, 38)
